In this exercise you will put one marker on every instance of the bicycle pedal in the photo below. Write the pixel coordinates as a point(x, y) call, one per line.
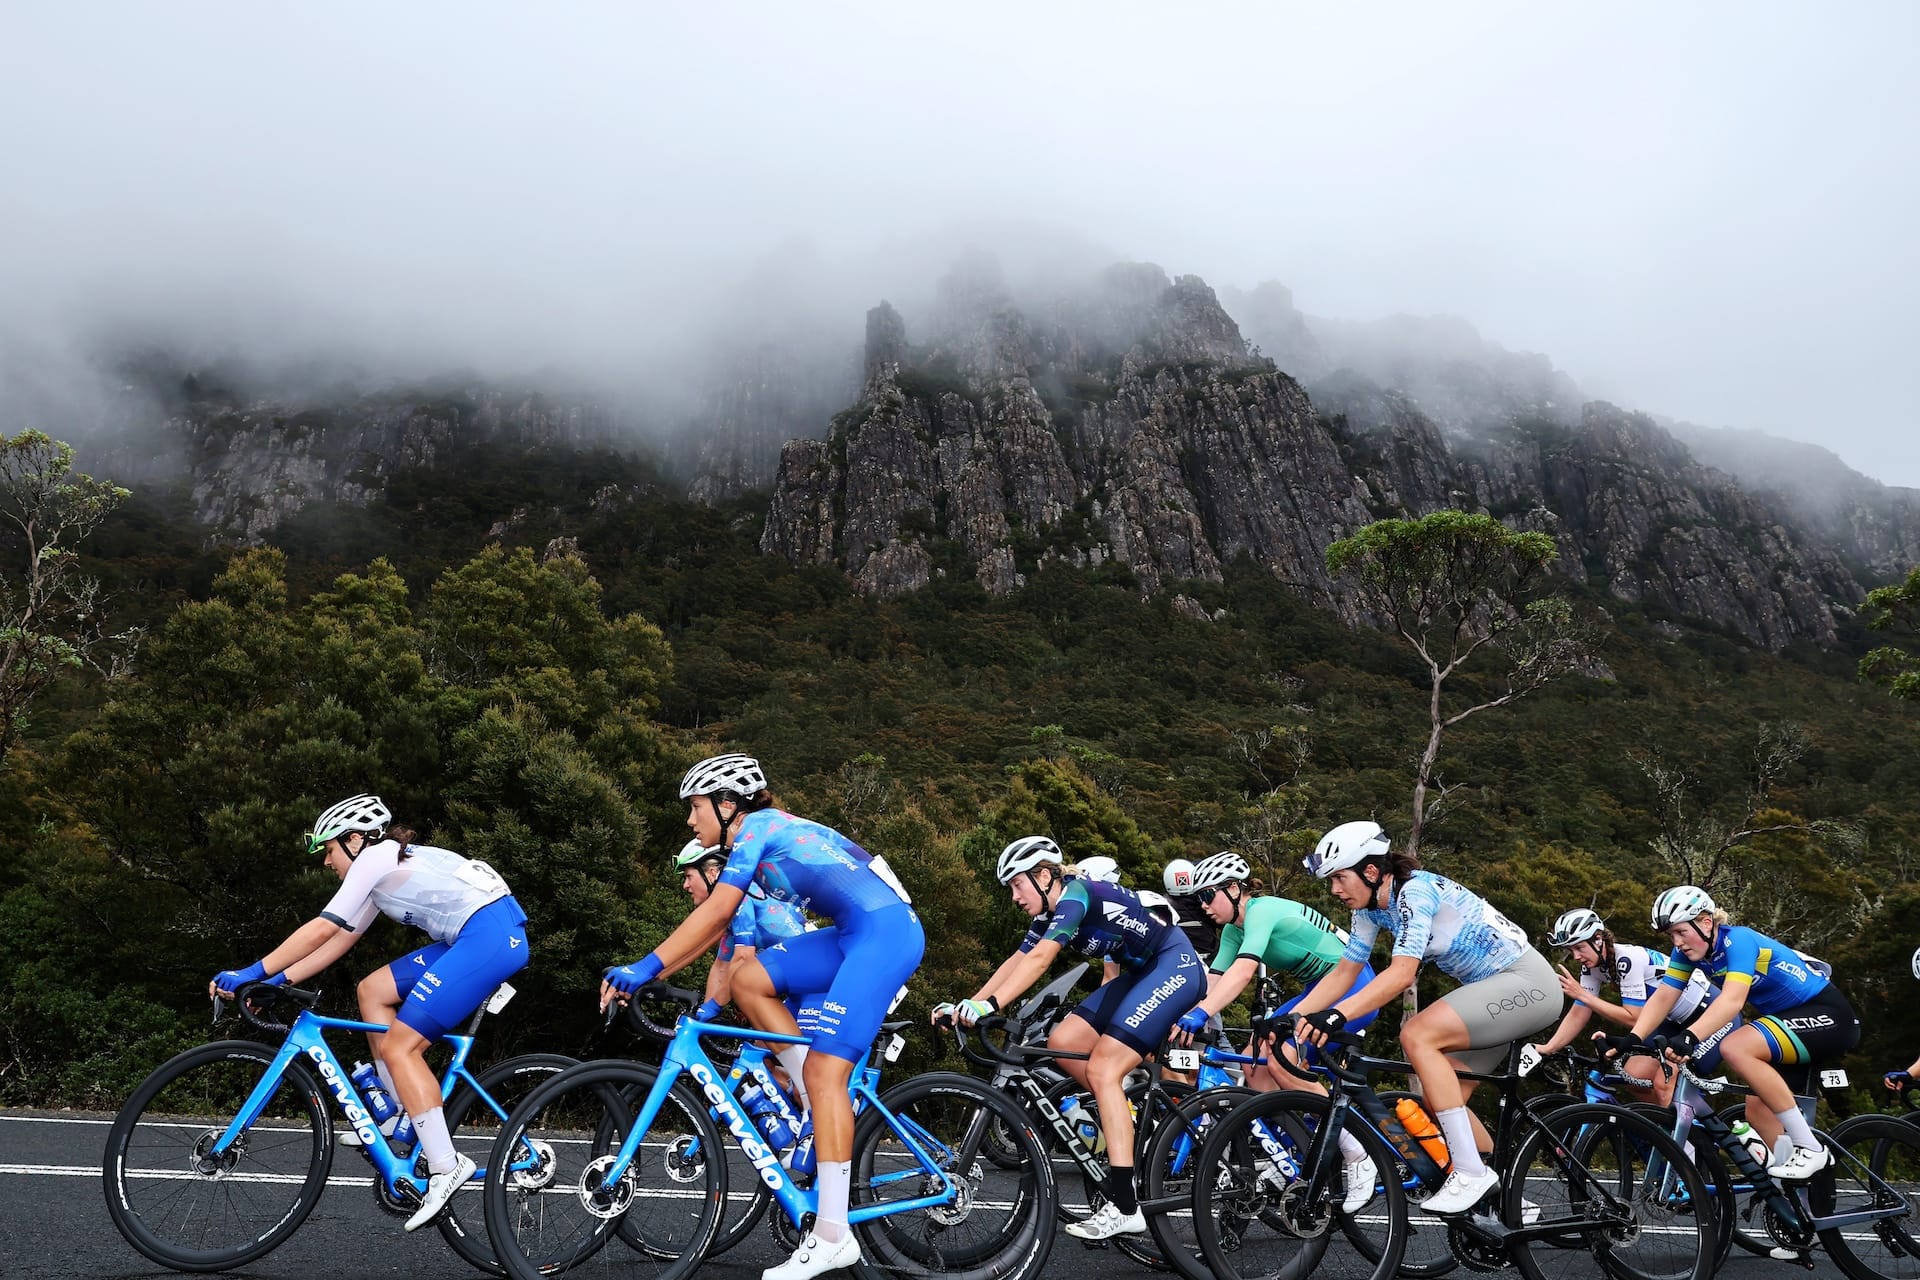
point(1096, 1244)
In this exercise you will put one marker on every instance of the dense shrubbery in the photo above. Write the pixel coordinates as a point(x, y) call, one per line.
point(537, 713)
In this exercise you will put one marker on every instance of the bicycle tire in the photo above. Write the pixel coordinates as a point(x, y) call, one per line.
point(564, 1213)
point(474, 1126)
point(748, 1198)
point(1167, 1171)
point(1876, 1164)
point(287, 1174)
point(1242, 1198)
point(947, 1114)
point(1590, 1159)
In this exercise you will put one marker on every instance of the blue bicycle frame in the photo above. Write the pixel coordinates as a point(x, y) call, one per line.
point(685, 1057)
point(306, 1041)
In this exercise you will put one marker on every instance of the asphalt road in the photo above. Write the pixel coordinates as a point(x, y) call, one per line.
point(54, 1223)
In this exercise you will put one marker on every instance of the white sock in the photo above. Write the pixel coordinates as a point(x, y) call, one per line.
point(1350, 1148)
point(834, 1180)
point(794, 1058)
point(435, 1141)
point(1797, 1128)
point(1457, 1124)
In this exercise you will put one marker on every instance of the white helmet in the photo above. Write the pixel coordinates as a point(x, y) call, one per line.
point(1101, 868)
point(1347, 845)
point(693, 851)
point(365, 814)
point(1577, 925)
point(1916, 964)
point(1680, 903)
point(1178, 877)
point(1025, 854)
point(1219, 869)
point(736, 773)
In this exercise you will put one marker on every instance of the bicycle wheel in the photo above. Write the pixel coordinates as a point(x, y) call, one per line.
point(1752, 1238)
point(475, 1121)
point(1428, 1251)
point(190, 1210)
point(1166, 1175)
point(747, 1198)
point(1722, 1201)
point(563, 1211)
point(1620, 1189)
point(1877, 1167)
point(998, 1226)
point(1252, 1210)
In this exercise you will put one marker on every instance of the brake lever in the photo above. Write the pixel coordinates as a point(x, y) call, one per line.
point(219, 1007)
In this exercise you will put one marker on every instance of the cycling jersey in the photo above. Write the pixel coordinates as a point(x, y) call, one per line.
point(1101, 920)
point(1637, 971)
point(1776, 976)
point(1200, 929)
point(1285, 936)
point(810, 866)
point(1432, 918)
point(760, 923)
point(440, 985)
point(1037, 929)
point(432, 889)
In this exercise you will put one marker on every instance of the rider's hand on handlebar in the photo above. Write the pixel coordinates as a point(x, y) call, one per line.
point(1618, 1046)
point(971, 1011)
point(1898, 1081)
point(942, 1015)
point(1316, 1027)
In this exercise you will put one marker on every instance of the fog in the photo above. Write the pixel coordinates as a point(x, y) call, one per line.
point(1704, 211)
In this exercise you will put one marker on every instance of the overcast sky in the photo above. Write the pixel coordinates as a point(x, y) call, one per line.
point(1704, 210)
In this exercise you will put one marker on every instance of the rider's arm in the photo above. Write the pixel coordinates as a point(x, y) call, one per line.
point(1657, 1007)
point(335, 942)
point(1026, 970)
point(720, 976)
point(1224, 988)
point(303, 942)
point(1724, 1008)
point(1391, 981)
point(1568, 1030)
point(1330, 988)
point(1108, 972)
point(1000, 975)
point(1620, 1014)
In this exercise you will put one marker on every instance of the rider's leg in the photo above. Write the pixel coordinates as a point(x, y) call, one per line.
point(1073, 1034)
point(1427, 1038)
point(764, 1008)
point(1107, 1078)
point(1749, 1054)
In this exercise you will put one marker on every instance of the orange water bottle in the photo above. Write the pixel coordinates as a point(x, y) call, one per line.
point(1415, 1120)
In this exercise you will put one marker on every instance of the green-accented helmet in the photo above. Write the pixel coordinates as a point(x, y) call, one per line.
point(693, 851)
point(365, 814)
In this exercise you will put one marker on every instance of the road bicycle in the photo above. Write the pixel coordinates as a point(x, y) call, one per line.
point(635, 1158)
point(220, 1154)
point(1589, 1189)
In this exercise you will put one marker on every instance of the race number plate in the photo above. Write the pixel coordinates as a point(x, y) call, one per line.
point(894, 1046)
point(498, 1000)
point(1833, 1079)
point(1183, 1059)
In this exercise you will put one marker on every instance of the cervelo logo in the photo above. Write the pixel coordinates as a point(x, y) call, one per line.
point(343, 1093)
point(1116, 913)
point(1525, 1000)
point(1160, 993)
point(758, 1154)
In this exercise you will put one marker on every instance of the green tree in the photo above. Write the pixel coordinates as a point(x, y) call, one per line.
point(1895, 609)
point(1453, 585)
point(51, 616)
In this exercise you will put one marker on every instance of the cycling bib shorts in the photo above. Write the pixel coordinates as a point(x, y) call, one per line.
point(441, 984)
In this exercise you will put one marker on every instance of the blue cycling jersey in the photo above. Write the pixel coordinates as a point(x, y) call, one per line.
point(812, 867)
point(761, 922)
point(1432, 918)
point(1777, 977)
point(1094, 918)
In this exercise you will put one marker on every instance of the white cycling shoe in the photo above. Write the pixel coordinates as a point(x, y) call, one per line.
point(1108, 1221)
point(1362, 1177)
point(1461, 1192)
point(816, 1257)
point(1802, 1164)
point(440, 1189)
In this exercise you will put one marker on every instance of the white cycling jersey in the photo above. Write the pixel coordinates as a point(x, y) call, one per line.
point(1637, 971)
point(435, 890)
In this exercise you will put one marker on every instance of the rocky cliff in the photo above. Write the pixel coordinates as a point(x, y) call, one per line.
point(1134, 427)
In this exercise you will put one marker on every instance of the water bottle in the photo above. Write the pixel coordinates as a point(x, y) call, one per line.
point(1752, 1141)
point(1083, 1124)
point(801, 1159)
point(367, 1081)
point(766, 1115)
point(396, 1124)
point(1421, 1128)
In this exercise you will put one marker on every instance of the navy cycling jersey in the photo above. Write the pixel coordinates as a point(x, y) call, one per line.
point(1776, 976)
point(761, 922)
point(1097, 919)
point(812, 867)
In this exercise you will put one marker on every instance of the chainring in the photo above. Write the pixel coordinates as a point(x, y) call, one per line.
point(401, 1201)
point(1474, 1253)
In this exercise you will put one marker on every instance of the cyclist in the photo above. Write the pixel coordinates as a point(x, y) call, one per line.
point(1507, 989)
point(1118, 1025)
point(1635, 972)
point(873, 947)
point(1288, 938)
point(479, 941)
point(1803, 1017)
point(762, 921)
point(1201, 931)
